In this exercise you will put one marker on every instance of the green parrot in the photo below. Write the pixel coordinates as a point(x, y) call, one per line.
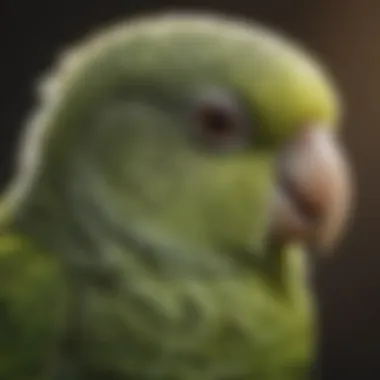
point(175, 170)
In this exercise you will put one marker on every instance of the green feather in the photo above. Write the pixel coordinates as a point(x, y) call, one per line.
point(155, 244)
point(33, 302)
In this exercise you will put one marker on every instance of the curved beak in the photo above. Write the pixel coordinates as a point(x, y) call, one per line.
point(314, 192)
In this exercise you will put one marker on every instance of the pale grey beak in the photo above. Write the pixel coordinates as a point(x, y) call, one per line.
point(314, 194)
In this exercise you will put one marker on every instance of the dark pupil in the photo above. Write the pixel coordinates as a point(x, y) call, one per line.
point(216, 120)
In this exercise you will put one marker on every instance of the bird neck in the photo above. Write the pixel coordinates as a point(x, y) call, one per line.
point(80, 222)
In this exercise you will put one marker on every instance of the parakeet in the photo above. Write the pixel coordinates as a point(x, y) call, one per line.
point(168, 183)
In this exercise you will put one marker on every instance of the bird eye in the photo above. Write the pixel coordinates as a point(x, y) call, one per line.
point(221, 121)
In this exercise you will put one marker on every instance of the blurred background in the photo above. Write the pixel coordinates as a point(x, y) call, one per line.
point(345, 34)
